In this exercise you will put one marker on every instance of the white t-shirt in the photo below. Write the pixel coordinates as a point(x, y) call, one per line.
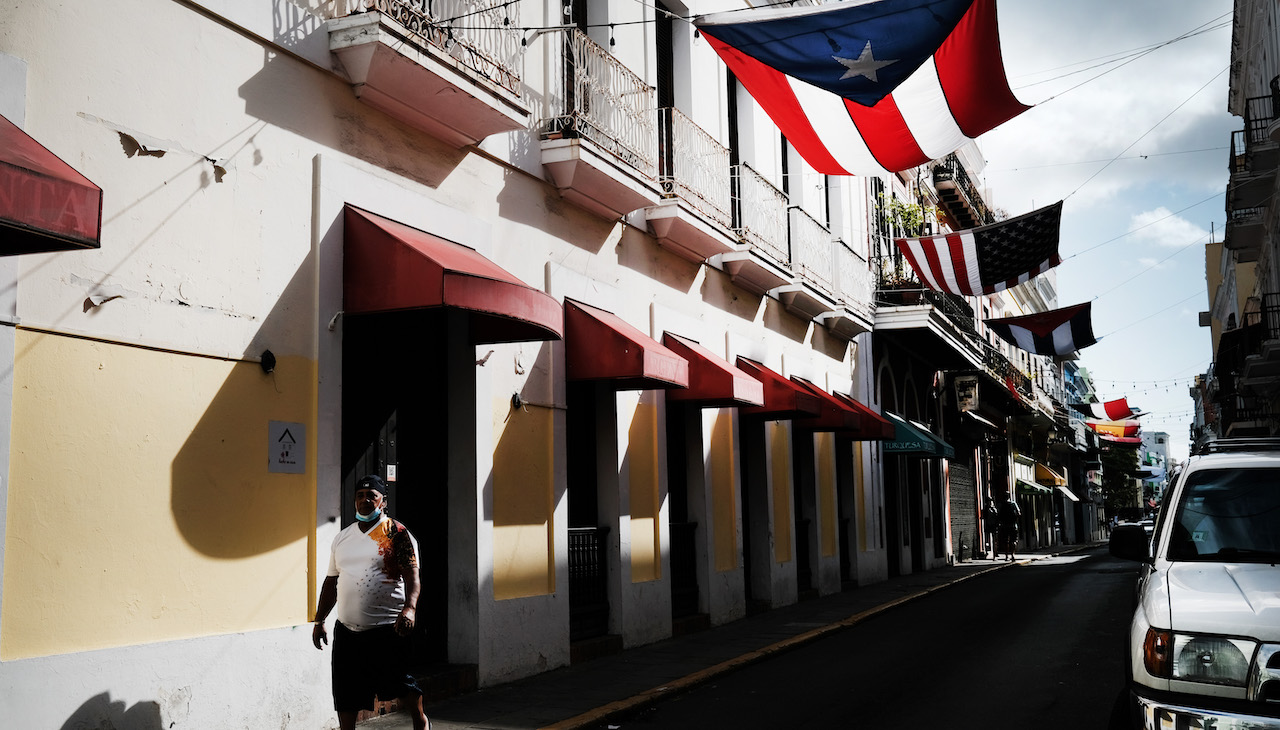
point(370, 568)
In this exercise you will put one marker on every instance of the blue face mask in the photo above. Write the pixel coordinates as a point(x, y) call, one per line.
point(371, 517)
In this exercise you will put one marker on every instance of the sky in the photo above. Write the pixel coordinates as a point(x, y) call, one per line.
point(1134, 139)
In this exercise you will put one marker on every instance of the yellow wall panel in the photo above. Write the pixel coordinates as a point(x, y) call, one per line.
point(140, 505)
point(780, 474)
point(723, 464)
point(523, 501)
point(642, 470)
point(827, 510)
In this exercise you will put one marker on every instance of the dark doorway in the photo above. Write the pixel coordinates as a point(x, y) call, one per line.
point(755, 514)
point(804, 483)
point(682, 440)
point(395, 424)
point(894, 470)
point(588, 562)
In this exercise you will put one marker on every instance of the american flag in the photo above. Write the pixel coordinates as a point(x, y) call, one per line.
point(1058, 332)
point(989, 258)
point(860, 88)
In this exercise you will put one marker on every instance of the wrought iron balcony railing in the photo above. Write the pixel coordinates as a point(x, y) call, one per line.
point(761, 215)
point(951, 170)
point(483, 36)
point(694, 166)
point(812, 250)
point(592, 95)
point(853, 276)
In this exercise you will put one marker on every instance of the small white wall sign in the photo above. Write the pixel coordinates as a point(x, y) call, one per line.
point(286, 447)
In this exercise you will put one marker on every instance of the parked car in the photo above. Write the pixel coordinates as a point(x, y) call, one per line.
point(1204, 643)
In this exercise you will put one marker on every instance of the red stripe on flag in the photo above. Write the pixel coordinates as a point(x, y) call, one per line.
point(911, 258)
point(771, 90)
point(971, 71)
point(955, 244)
point(934, 261)
point(886, 134)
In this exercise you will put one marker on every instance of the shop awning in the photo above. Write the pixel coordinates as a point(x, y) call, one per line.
point(874, 426)
point(713, 382)
point(914, 439)
point(1068, 493)
point(45, 204)
point(1027, 487)
point(783, 399)
point(833, 415)
point(599, 345)
point(1049, 477)
point(983, 421)
point(391, 267)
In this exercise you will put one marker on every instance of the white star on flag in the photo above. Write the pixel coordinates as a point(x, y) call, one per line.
point(863, 65)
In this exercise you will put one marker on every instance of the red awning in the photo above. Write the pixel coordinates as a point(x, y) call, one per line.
point(390, 267)
point(45, 205)
point(712, 381)
point(600, 346)
point(874, 426)
point(783, 399)
point(834, 416)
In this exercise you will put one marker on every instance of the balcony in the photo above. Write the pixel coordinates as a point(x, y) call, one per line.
point(1254, 157)
point(855, 311)
point(762, 262)
point(958, 195)
point(695, 215)
point(813, 261)
point(598, 129)
point(924, 320)
point(459, 81)
point(1260, 369)
point(1245, 233)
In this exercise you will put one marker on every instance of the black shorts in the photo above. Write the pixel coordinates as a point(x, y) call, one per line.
point(368, 664)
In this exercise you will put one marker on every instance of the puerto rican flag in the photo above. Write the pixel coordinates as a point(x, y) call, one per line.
point(869, 86)
point(1112, 410)
point(989, 258)
point(1058, 332)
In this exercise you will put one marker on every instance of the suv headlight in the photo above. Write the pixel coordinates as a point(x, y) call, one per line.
point(1209, 659)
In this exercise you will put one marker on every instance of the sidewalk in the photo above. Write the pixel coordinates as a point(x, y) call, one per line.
point(587, 694)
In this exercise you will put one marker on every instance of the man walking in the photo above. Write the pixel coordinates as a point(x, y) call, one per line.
point(373, 582)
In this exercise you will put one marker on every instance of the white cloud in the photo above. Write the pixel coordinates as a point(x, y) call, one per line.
point(1162, 228)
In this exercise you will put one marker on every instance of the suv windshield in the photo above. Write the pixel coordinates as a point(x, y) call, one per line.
point(1228, 516)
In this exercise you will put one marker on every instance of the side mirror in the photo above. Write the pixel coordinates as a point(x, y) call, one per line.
point(1130, 542)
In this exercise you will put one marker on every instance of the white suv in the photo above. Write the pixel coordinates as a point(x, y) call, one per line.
point(1204, 645)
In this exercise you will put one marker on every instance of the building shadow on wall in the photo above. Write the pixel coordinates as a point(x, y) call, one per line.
point(226, 502)
point(284, 93)
point(101, 713)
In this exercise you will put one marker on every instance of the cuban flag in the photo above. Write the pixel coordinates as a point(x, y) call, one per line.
point(1112, 410)
point(989, 258)
point(1058, 332)
point(869, 86)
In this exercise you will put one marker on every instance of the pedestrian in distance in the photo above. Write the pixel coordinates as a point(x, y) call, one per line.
point(373, 583)
point(1009, 515)
point(991, 528)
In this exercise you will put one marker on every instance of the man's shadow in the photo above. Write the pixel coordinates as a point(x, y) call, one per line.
point(100, 713)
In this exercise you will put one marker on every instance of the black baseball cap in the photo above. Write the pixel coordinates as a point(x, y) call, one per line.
point(372, 481)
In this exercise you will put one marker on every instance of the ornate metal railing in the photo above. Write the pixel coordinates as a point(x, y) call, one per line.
point(483, 36)
point(853, 278)
point(950, 169)
point(694, 166)
point(812, 254)
point(762, 214)
point(1004, 371)
point(593, 95)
